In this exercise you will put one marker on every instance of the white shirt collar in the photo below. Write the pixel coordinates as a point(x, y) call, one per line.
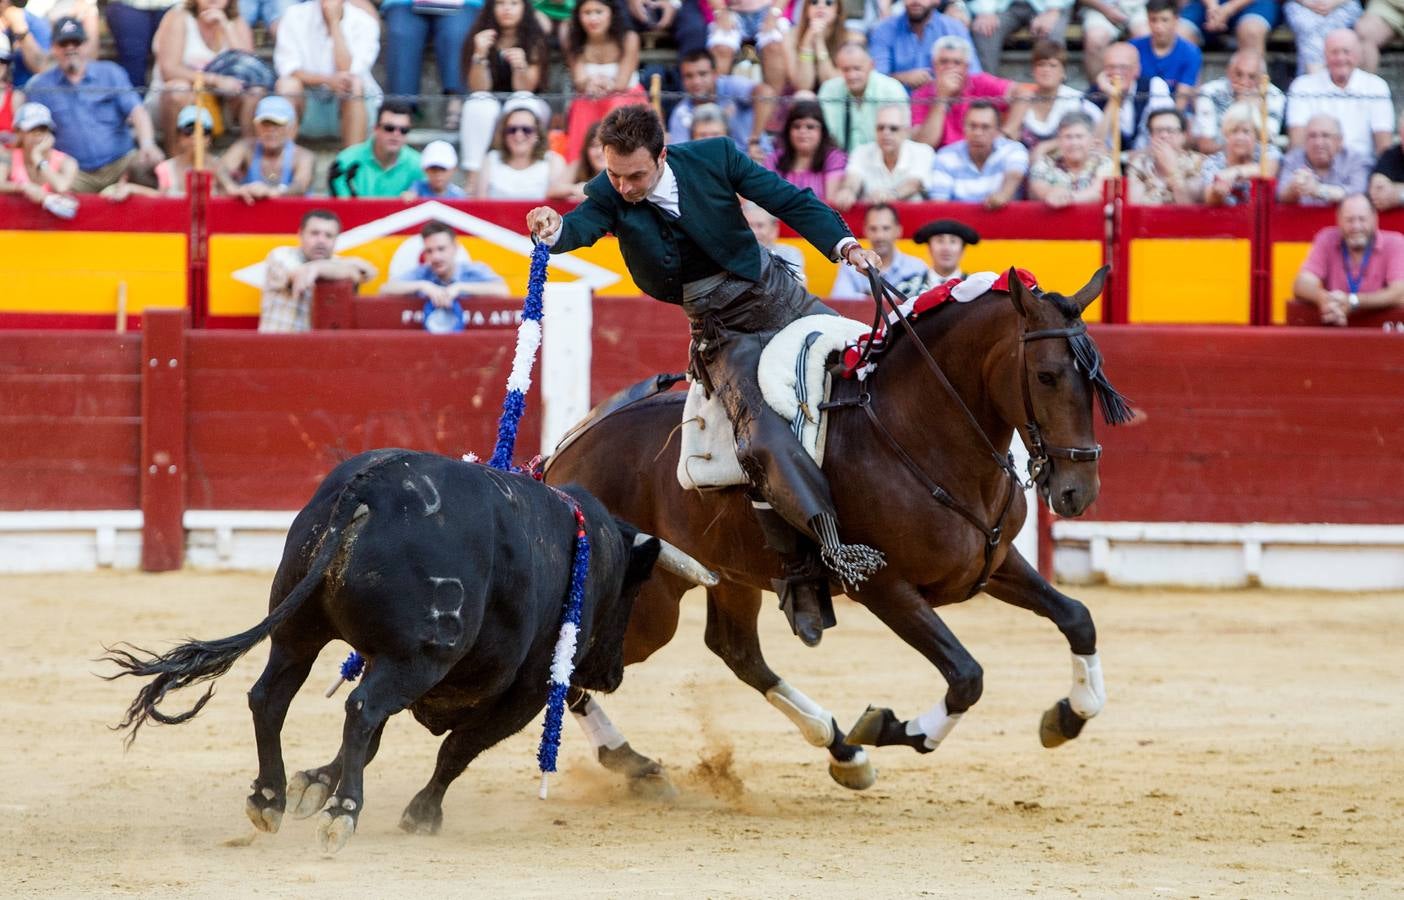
point(665, 192)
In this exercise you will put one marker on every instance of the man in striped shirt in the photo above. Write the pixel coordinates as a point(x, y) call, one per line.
point(985, 168)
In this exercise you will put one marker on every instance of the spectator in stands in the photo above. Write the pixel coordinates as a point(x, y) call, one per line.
point(290, 273)
point(1228, 175)
point(446, 273)
point(812, 45)
point(759, 22)
point(603, 56)
point(30, 39)
point(805, 154)
point(438, 161)
point(745, 103)
point(507, 52)
point(1166, 172)
point(1075, 170)
point(520, 165)
point(1051, 98)
point(554, 18)
point(1360, 101)
point(1121, 71)
point(1243, 80)
point(591, 163)
point(946, 240)
point(766, 228)
point(1249, 22)
point(852, 99)
point(986, 167)
point(708, 121)
point(92, 105)
point(1321, 172)
point(1311, 21)
point(1382, 22)
point(382, 166)
point(903, 45)
point(1387, 180)
point(1166, 55)
point(170, 173)
point(133, 24)
point(938, 107)
point(191, 34)
point(267, 163)
point(656, 17)
point(409, 29)
point(892, 168)
point(34, 169)
point(323, 55)
point(1352, 264)
point(1107, 21)
point(11, 98)
point(882, 230)
point(995, 20)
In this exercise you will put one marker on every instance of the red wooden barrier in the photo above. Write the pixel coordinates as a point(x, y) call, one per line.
point(163, 439)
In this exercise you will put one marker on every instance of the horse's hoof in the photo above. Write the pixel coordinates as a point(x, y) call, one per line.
point(868, 728)
point(307, 795)
point(653, 786)
point(263, 816)
point(1059, 724)
point(857, 774)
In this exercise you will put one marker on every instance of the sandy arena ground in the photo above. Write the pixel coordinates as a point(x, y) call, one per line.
point(1252, 746)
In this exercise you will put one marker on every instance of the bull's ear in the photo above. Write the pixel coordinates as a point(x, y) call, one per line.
point(1092, 289)
point(1018, 294)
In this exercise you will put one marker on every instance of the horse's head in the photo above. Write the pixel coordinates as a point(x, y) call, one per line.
point(1061, 368)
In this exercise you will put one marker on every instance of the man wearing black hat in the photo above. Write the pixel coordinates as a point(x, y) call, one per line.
point(92, 104)
point(946, 240)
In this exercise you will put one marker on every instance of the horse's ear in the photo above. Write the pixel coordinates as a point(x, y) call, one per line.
point(1092, 289)
point(1017, 292)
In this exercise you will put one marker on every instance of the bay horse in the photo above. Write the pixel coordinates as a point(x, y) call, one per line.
point(917, 459)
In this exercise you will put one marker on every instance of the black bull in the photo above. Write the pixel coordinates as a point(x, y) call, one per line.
point(450, 579)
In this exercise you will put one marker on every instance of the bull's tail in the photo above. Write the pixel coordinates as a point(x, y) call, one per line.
point(196, 661)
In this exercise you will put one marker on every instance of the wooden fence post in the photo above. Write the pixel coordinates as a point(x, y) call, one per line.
point(163, 438)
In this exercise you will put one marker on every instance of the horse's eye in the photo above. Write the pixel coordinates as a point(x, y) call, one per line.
point(1047, 378)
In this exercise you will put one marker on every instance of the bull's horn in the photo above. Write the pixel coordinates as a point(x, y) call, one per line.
point(679, 563)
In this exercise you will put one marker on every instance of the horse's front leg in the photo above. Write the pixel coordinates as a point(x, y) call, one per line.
point(903, 609)
point(1018, 583)
point(732, 613)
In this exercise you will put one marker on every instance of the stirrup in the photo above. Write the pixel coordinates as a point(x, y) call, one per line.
point(798, 612)
point(852, 564)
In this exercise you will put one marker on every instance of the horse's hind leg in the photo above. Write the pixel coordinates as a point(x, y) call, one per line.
point(269, 698)
point(1018, 583)
point(732, 613)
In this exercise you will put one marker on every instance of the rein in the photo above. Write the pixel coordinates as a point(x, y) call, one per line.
point(1040, 450)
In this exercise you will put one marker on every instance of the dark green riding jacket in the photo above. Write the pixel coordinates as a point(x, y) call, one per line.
point(710, 173)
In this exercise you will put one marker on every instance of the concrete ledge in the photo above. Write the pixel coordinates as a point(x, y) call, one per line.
point(70, 540)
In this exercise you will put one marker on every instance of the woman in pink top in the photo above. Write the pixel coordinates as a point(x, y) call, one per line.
point(805, 154)
point(938, 107)
point(34, 168)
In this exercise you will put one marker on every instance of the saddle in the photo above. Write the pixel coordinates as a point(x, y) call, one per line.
point(794, 380)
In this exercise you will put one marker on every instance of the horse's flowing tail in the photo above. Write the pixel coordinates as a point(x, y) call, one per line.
point(200, 661)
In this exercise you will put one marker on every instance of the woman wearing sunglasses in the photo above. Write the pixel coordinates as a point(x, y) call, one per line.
point(170, 173)
point(519, 167)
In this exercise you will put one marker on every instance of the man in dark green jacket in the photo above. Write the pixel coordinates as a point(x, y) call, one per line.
point(685, 240)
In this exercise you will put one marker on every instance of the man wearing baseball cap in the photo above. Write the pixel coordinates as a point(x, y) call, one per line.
point(269, 163)
point(438, 162)
point(946, 240)
point(93, 103)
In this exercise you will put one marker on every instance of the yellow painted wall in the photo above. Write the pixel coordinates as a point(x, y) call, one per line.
point(1287, 259)
point(79, 271)
point(1190, 281)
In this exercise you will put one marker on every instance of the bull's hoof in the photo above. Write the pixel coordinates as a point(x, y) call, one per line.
point(1059, 724)
point(264, 810)
point(336, 826)
point(870, 726)
point(307, 793)
point(857, 774)
point(422, 816)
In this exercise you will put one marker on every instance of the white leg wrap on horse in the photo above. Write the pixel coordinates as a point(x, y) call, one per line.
point(935, 723)
point(1087, 696)
point(813, 721)
point(598, 728)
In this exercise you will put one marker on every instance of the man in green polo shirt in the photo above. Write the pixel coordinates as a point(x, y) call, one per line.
point(383, 166)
